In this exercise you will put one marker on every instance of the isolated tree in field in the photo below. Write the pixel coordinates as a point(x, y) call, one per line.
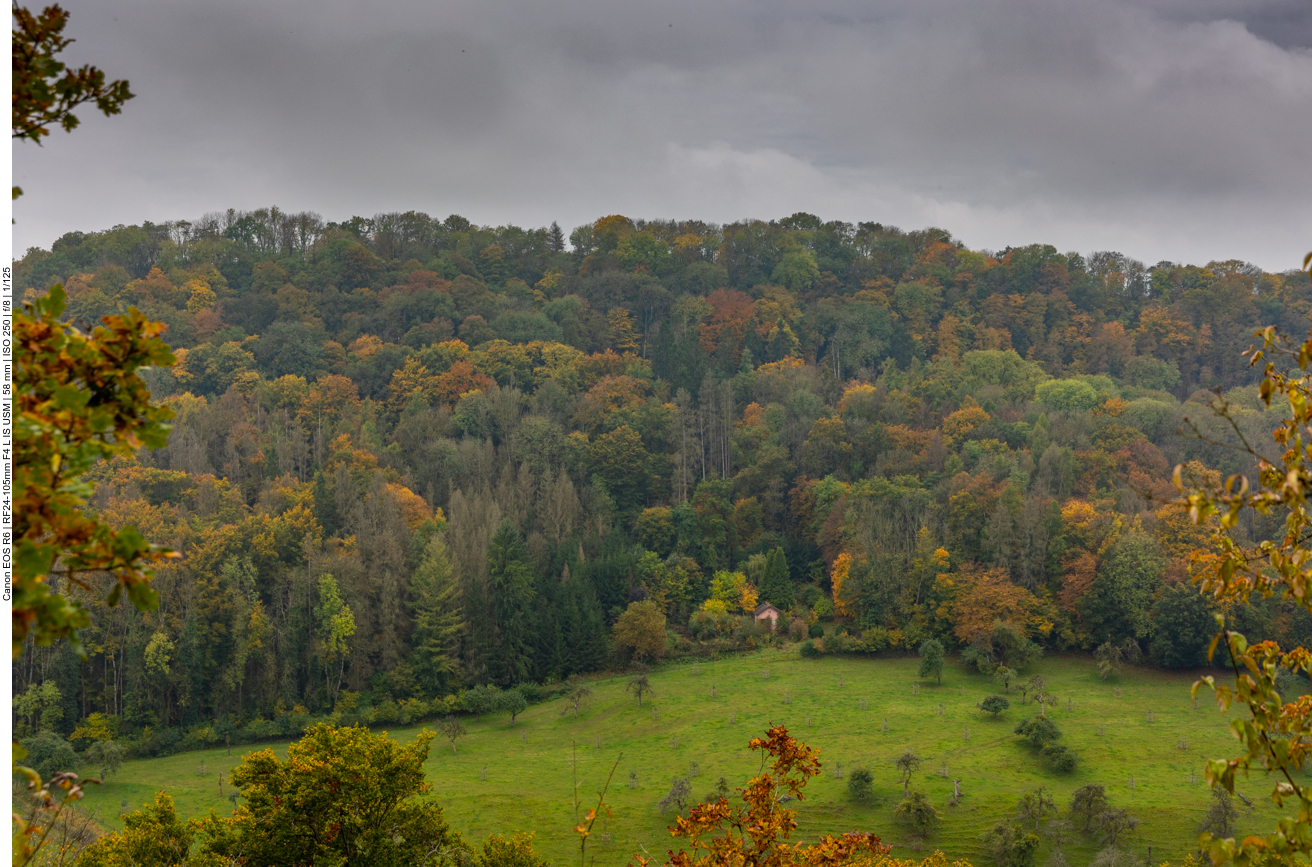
point(1011, 845)
point(512, 701)
point(106, 755)
point(1109, 656)
point(1112, 824)
point(1112, 657)
point(720, 792)
point(1059, 831)
point(639, 685)
point(1221, 815)
point(677, 797)
point(451, 728)
point(861, 784)
point(640, 631)
point(1004, 675)
point(994, 704)
point(1033, 806)
point(1088, 803)
point(1044, 698)
point(578, 693)
point(907, 764)
point(931, 659)
point(917, 812)
point(1034, 684)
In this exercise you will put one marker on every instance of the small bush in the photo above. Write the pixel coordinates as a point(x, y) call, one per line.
point(386, 712)
point(47, 753)
point(263, 729)
point(919, 813)
point(808, 649)
point(876, 639)
point(515, 851)
point(413, 710)
point(1039, 731)
point(702, 625)
point(816, 631)
point(198, 736)
point(861, 784)
point(167, 739)
point(531, 691)
point(842, 642)
point(1059, 756)
point(994, 704)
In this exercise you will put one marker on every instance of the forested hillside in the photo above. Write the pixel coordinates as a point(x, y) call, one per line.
point(413, 456)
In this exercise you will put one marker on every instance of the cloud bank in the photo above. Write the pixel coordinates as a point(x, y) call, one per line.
point(1168, 130)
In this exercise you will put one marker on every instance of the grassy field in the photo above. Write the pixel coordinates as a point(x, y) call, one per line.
point(1138, 735)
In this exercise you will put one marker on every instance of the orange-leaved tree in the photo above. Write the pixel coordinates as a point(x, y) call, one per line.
point(756, 834)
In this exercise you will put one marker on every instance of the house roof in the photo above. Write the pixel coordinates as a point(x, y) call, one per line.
point(764, 607)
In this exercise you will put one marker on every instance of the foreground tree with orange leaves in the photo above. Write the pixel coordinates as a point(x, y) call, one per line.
point(756, 834)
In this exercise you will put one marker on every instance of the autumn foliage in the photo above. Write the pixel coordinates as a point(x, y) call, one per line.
point(78, 400)
point(756, 834)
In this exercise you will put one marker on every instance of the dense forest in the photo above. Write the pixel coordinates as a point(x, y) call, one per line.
point(412, 457)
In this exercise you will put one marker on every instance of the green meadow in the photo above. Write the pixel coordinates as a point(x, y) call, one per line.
point(1138, 734)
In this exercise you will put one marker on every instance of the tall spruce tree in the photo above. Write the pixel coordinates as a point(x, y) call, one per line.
point(776, 588)
point(435, 601)
point(510, 585)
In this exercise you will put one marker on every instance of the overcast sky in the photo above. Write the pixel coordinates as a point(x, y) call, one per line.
point(1177, 129)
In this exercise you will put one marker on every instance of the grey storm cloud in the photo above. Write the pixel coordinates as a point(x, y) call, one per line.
point(1177, 129)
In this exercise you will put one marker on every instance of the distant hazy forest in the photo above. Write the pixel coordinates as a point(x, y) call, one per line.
point(414, 456)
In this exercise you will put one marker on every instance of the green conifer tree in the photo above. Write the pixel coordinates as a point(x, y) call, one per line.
point(435, 601)
point(776, 588)
point(510, 586)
